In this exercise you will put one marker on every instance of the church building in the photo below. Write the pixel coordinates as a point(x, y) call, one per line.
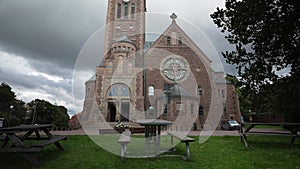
point(169, 78)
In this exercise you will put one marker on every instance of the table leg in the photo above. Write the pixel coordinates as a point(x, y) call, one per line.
point(188, 156)
point(57, 144)
point(37, 134)
point(18, 143)
point(158, 139)
point(27, 134)
point(147, 139)
point(5, 141)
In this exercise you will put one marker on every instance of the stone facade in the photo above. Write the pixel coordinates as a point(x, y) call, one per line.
point(172, 79)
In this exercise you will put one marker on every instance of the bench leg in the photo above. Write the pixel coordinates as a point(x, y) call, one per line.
point(123, 150)
point(58, 145)
point(147, 146)
point(172, 141)
point(293, 140)
point(188, 156)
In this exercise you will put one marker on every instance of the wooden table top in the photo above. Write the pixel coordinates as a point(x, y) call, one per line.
point(153, 122)
point(24, 127)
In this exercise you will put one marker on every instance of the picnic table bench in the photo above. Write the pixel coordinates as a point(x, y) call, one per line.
point(184, 139)
point(124, 140)
point(13, 142)
point(291, 129)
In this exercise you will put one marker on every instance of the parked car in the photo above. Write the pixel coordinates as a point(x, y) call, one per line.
point(230, 125)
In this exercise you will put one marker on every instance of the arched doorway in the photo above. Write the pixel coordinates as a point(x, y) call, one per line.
point(118, 105)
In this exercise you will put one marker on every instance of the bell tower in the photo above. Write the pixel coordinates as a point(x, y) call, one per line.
point(126, 20)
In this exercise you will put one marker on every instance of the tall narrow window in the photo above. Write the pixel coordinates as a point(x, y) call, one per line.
point(166, 109)
point(168, 41)
point(126, 11)
point(180, 41)
point(151, 91)
point(120, 64)
point(200, 111)
point(119, 11)
point(200, 91)
point(110, 66)
point(130, 68)
point(223, 93)
point(132, 11)
point(88, 92)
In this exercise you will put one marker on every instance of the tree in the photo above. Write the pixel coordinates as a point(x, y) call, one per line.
point(7, 97)
point(286, 98)
point(47, 113)
point(266, 35)
point(61, 117)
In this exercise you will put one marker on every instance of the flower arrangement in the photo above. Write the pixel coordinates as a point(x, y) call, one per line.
point(121, 125)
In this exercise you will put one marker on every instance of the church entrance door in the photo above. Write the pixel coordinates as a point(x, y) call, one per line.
point(125, 108)
point(111, 111)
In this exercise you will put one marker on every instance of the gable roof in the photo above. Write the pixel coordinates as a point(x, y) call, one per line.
point(174, 27)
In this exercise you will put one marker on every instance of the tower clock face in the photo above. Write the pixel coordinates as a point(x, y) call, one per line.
point(126, 1)
point(174, 68)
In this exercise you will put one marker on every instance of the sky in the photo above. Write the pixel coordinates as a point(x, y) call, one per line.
point(41, 40)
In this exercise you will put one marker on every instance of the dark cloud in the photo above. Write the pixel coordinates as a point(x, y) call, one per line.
point(52, 31)
point(49, 35)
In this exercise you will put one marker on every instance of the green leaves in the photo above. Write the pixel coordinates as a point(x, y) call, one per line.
point(266, 34)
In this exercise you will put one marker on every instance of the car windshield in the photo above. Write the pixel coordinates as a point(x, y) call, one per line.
point(233, 122)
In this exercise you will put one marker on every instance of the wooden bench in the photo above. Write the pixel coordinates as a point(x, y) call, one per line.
point(124, 140)
point(20, 150)
point(184, 139)
point(50, 141)
point(291, 129)
point(11, 142)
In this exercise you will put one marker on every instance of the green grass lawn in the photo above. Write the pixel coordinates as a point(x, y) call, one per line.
point(218, 152)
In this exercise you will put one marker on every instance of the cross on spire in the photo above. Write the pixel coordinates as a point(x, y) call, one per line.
point(173, 17)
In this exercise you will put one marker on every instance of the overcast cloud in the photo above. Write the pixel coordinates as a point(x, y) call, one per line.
point(41, 39)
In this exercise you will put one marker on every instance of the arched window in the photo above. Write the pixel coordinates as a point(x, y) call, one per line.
point(118, 90)
point(126, 11)
point(132, 11)
point(168, 41)
point(200, 111)
point(180, 41)
point(200, 91)
point(151, 90)
point(120, 64)
point(119, 11)
point(110, 66)
point(129, 67)
point(223, 93)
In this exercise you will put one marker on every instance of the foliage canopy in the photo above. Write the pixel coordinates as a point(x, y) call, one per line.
point(266, 35)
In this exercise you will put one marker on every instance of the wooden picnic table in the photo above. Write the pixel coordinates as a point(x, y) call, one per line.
point(291, 129)
point(153, 129)
point(13, 140)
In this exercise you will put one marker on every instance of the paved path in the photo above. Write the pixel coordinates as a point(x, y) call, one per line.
point(192, 133)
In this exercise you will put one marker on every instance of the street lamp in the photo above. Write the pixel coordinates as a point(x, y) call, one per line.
point(11, 108)
point(34, 113)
